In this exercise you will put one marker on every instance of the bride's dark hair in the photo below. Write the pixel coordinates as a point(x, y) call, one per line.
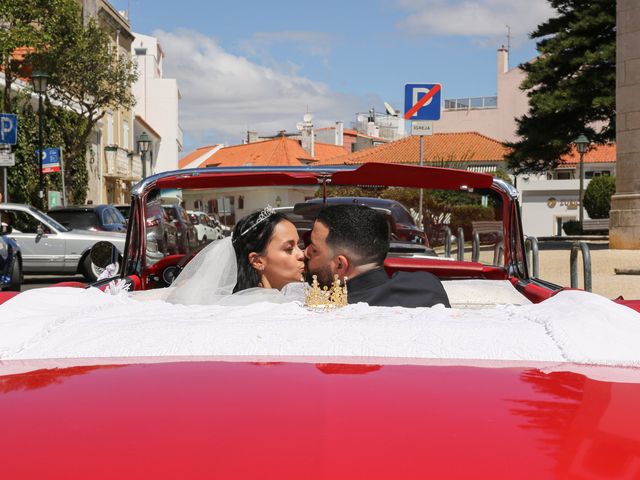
point(251, 235)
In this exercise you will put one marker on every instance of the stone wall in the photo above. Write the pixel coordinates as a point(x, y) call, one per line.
point(625, 204)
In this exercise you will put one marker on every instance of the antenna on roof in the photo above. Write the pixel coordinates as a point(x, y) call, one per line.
point(508, 38)
point(390, 110)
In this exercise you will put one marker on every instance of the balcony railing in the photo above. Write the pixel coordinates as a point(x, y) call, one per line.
point(122, 163)
point(117, 163)
point(470, 103)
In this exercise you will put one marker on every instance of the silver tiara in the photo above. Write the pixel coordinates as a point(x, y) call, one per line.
point(264, 214)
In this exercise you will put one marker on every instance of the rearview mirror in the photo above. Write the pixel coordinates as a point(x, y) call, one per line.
point(103, 253)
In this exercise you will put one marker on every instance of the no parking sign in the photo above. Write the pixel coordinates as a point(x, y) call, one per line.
point(422, 101)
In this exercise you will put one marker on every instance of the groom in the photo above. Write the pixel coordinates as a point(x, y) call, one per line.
point(352, 241)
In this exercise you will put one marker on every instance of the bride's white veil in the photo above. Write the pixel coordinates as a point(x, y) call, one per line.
point(210, 277)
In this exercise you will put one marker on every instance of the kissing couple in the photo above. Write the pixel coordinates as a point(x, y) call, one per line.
point(263, 261)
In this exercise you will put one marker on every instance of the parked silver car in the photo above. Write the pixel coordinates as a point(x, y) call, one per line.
point(50, 248)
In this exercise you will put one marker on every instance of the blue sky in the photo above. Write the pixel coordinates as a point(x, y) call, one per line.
point(259, 65)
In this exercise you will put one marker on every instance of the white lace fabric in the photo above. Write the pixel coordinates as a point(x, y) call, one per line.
point(209, 279)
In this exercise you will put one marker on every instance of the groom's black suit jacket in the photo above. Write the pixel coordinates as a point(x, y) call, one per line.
point(404, 289)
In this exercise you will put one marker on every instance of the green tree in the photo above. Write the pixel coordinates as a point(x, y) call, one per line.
point(571, 84)
point(88, 77)
point(597, 196)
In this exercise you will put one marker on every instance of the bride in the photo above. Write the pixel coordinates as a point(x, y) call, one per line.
point(261, 261)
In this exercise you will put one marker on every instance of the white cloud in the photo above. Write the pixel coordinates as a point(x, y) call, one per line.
point(482, 19)
point(223, 94)
point(317, 44)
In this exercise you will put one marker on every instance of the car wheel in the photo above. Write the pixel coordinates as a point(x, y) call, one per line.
point(90, 271)
point(16, 277)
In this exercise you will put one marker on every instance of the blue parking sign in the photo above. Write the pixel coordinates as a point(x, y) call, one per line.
point(51, 160)
point(422, 101)
point(8, 128)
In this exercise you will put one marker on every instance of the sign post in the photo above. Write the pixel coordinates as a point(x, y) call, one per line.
point(52, 162)
point(64, 190)
point(422, 104)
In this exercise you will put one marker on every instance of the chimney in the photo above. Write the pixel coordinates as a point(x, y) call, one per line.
point(339, 133)
point(252, 137)
point(503, 60)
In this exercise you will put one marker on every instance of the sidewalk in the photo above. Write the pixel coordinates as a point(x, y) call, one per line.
point(554, 267)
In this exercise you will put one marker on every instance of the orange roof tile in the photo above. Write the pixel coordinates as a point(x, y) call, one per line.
point(597, 154)
point(202, 153)
point(324, 151)
point(466, 146)
point(281, 151)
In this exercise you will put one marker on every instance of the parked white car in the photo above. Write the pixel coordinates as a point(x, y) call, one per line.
point(224, 229)
point(51, 248)
point(206, 228)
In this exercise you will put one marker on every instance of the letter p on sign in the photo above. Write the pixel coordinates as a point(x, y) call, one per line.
point(8, 128)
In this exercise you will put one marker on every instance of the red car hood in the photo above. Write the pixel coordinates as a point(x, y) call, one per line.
point(305, 421)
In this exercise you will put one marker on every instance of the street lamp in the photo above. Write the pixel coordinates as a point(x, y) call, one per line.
point(144, 142)
point(582, 145)
point(40, 80)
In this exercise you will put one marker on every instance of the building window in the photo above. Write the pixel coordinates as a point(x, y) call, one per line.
point(140, 51)
point(563, 175)
point(110, 140)
point(125, 134)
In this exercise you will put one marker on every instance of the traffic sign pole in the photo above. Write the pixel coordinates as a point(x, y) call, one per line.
point(64, 190)
point(421, 190)
point(422, 101)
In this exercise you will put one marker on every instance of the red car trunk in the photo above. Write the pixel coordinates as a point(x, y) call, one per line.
point(284, 420)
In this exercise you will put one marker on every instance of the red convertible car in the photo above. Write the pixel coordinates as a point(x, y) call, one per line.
point(240, 417)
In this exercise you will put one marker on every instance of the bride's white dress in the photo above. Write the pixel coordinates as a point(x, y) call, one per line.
point(209, 279)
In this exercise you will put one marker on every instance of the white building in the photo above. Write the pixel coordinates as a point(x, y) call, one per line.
point(547, 199)
point(495, 116)
point(552, 198)
point(157, 102)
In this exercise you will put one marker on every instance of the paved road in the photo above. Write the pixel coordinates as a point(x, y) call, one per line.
point(41, 281)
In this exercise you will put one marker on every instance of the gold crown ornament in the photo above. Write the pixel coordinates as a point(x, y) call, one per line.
point(325, 299)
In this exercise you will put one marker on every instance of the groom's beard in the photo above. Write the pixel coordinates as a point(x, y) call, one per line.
point(323, 274)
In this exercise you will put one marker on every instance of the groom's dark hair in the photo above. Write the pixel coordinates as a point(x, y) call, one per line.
point(357, 231)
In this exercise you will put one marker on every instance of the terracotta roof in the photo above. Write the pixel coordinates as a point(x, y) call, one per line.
point(324, 151)
point(19, 55)
point(597, 154)
point(281, 151)
point(467, 147)
point(198, 157)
